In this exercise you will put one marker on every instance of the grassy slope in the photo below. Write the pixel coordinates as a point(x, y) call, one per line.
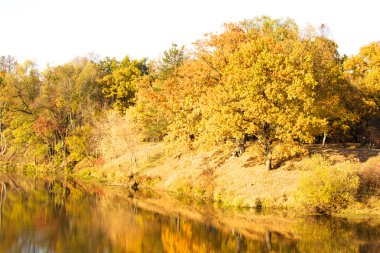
point(242, 181)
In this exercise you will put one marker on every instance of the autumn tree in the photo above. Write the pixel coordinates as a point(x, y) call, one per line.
point(20, 87)
point(156, 92)
point(49, 118)
point(118, 80)
point(363, 73)
point(7, 66)
point(336, 100)
point(363, 70)
point(69, 103)
point(258, 78)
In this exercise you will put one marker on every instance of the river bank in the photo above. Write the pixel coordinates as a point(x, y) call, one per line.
point(243, 181)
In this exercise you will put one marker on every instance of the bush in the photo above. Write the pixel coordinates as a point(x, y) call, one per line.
point(316, 160)
point(79, 144)
point(327, 189)
point(369, 184)
point(116, 136)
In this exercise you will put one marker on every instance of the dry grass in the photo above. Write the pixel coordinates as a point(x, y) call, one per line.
point(241, 181)
point(244, 181)
point(118, 171)
point(252, 183)
point(221, 177)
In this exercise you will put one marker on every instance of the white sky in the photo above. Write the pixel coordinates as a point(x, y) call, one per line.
point(56, 31)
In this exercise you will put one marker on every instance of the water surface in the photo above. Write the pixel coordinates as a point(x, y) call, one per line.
point(64, 215)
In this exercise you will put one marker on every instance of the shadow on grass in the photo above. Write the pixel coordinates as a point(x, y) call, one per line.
point(350, 151)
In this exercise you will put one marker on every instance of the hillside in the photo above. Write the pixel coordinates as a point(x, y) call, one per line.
point(242, 181)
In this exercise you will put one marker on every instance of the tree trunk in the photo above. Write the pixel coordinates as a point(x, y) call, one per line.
point(324, 139)
point(64, 156)
point(268, 161)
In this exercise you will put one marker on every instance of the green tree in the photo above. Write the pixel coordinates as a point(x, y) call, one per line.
point(173, 58)
point(119, 81)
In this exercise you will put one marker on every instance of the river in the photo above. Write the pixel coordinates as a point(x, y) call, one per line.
point(66, 215)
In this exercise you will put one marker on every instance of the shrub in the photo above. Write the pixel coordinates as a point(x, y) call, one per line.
point(316, 160)
point(116, 136)
point(327, 189)
point(79, 143)
point(369, 183)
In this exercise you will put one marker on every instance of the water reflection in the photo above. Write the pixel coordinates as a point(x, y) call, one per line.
point(64, 215)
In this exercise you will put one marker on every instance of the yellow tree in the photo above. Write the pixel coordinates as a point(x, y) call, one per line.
point(262, 84)
point(195, 81)
point(71, 99)
point(363, 70)
point(20, 88)
point(156, 93)
point(336, 100)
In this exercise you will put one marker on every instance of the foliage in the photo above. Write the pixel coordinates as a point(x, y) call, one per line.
point(67, 106)
point(19, 89)
point(336, 99)
point(79, 143)
point(257, 78)
point(119, 80)
point(150, 112)
point(369, 184)
point(363, 70)
point(156, 94)
point(328, 189)
point(116, 136)
point(173, 58)
point(43, 114)
point(260, 79)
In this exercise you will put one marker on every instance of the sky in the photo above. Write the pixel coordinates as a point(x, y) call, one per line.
point(56, 31)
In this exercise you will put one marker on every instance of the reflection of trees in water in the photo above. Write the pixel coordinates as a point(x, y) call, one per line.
point(369, 239)
point(35, 216)
point(67, 216)
point(328, 235)
point(197, 237)
point(3, 196)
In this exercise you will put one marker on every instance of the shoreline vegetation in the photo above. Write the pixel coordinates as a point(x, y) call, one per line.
point(262, 115)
